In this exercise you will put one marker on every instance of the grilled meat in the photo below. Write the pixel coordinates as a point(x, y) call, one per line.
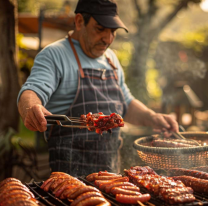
point(197, 184)
point(102, 122)
point(166, 188)
point(169, 143)
point(65, 186)
point(187, 172)
point(13, 192)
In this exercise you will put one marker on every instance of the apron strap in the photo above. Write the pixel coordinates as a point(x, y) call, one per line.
point(76, 56)
point(113, 66)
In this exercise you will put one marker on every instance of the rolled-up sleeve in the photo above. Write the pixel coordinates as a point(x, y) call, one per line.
point(44, 77)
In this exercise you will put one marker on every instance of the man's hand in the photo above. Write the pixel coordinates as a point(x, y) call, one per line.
point(34, 119)
point(163, 123)
point(32, 112)
point(139, 114)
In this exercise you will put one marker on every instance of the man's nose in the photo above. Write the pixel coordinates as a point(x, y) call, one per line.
point(108, 36)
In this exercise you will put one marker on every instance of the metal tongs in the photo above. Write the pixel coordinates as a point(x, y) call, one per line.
point(180, 136)
point(66, 121)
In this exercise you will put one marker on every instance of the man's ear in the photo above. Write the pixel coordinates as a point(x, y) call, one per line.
point(79, 21)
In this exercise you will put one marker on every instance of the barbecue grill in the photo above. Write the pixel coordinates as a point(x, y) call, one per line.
point(48, 199)
point(166, 157)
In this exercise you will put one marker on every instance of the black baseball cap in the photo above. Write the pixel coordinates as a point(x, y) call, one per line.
point(103, 11)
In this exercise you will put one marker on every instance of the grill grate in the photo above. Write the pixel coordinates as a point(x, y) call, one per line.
point(48, 199)
point(45, 198)
point(154, 201)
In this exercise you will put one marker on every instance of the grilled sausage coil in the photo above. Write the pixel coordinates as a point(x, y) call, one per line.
point(168, 143)
point(13, 192)
point(127, 192)
point(65, 186)
point(197, 184)
point(187, 172)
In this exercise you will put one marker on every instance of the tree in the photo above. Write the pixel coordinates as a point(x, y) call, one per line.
point(9, 86)
point(152, 17)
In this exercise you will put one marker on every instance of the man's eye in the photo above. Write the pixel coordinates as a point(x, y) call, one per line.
point(100, 29)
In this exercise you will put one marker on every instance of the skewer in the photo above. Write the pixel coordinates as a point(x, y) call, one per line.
point(140, 203)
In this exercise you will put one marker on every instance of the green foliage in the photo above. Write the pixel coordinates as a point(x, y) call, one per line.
point(33, 6)
point(152, 73)
point(22, 5)
point(124, 55)
point(196, 40)
point(25, 133)
point(24, 59)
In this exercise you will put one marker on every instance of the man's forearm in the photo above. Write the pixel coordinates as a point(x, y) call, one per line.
point(27, 100)
point(138, 113)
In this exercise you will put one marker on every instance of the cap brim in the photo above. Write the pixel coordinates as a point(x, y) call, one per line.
point(112, 22)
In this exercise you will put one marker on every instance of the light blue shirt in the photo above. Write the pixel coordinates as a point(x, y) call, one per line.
point(54, 75)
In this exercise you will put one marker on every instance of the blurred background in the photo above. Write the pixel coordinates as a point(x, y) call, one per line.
point(164, 57)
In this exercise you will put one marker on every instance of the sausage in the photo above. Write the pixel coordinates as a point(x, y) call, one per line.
point(62, 185)
point(187, 172)
point(12, 185)
point(117, 190)
point(166, 143)
point(121, 179)
point(60, 188)
point(7, 180)
point(116, 184)
point(197, 184)
point(21, 202)
point(91, 201)
point(201, 168)
point(132, 199)
point(57, 183)
point(66, 190)
point(82, 190)
point(91, 177)
point(15, 192)
point(46, 182)
point(59, 192)
point(56, 174)
point(190, 142)
point(76, 181)
point(105, 173)
point(85, 196)
point(132, 188)
point(14, 196)
point(47, 187)
point(107, 177)
point(69, 191)
point(12, 188)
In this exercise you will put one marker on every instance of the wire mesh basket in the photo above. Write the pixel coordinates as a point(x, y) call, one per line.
point(166, 157)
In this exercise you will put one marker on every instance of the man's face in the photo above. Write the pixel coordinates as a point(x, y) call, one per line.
point(95, 39)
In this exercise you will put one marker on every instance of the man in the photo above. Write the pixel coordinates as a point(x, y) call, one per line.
point(78, 75)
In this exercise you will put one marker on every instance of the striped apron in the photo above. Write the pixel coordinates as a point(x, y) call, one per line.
point(79, 151)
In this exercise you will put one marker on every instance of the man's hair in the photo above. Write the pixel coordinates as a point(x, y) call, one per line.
point(86, 18)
